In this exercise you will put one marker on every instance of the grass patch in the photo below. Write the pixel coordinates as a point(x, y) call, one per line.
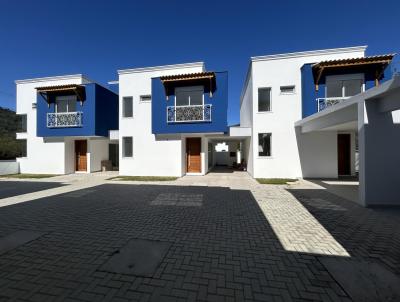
point(275, 181)
point(144, 178)
point(25, 175)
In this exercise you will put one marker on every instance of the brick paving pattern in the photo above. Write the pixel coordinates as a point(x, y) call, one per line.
point(247, 242)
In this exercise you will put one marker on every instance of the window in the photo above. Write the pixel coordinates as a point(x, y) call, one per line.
point(66, 103)
point(337, 88)
point(145, 98)
point(127, 106)
point(264, 144)
point(288, 89)
point(264, 99)
point(22, 123)
point(189, 96)
point(127, 144)
point(22, 148)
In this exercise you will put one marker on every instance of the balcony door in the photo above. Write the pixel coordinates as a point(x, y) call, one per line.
point(65, 103)
point(342, 87)
point(193, 155)
point(81, 155)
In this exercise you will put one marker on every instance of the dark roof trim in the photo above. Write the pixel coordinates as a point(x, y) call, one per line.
point(207, 78)
point(379, 63)
point(46, 91)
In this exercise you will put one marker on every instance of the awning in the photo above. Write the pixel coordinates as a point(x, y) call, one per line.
point(47, 92)
point(374, 64)
point(207, 79)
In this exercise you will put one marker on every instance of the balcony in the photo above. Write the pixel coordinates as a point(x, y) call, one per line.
point(189, 114)
point(64, 119)
point(324, 103)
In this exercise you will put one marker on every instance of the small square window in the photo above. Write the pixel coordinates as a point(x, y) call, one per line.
point(264, 144)
point(145, 98)
point(264, 99)
point(127, 144)
point(127, 106)
point(288, 89)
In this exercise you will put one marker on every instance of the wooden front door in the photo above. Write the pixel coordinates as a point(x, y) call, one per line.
point(344, 154)
point(193, 155)
point(80, 155)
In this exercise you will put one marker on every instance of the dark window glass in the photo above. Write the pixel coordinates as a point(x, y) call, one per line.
point(264, 144)
point(145, 98)
point(127, 147)
point(23, 150)
point(189, 96)
point(264, 99)
point(287, 89)
point(127, 106)
point(22, 123)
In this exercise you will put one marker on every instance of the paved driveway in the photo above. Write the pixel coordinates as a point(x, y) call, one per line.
point(13, 188)
point(237, 242)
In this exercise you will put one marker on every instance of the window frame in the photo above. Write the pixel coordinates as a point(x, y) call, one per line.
point(270, 99)
point(124, 147)
point(66, 98)
point(25, 148)
point(342, 78)
point(123, 106)
point(23, 124)
point(270, 145)
point(287, 92)
point(141, 97)
point(190, 88)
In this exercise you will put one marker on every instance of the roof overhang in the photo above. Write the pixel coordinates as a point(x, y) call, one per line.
point(373, 64)
point(207, 79)
point(48, 91)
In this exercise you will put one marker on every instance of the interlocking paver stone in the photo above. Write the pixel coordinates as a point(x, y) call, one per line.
point(242, 241)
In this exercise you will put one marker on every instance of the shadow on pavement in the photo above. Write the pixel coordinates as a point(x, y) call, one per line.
point(221, 246)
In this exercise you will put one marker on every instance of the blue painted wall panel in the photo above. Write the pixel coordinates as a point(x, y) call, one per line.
point(219, 102)
point(309, 94)
point(100, 114)
point(106, 111)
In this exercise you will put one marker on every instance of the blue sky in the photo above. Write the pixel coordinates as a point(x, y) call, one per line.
point(46, 38)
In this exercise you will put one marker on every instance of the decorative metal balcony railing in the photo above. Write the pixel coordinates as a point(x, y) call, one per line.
point(64, 119)
point(324, 103)
point(187, 114)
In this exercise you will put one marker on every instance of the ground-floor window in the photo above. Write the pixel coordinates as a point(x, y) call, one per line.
point(127, 146)
point(264, 144)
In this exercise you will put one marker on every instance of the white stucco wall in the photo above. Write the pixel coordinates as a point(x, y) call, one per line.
point(379, 146)
point(97, 151)
point(318, 154)
point(156, 156)
point(273, 72)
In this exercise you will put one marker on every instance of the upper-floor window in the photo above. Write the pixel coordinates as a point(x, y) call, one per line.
point(66, 103)
point(189, 96)
point(337, 87)
point(264, 99)
point(290, 89)
point(145, 98)
point(127, 106)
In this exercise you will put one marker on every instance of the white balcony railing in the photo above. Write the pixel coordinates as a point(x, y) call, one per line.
point(186, 114)
point(64, 119)
point(324, 103)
